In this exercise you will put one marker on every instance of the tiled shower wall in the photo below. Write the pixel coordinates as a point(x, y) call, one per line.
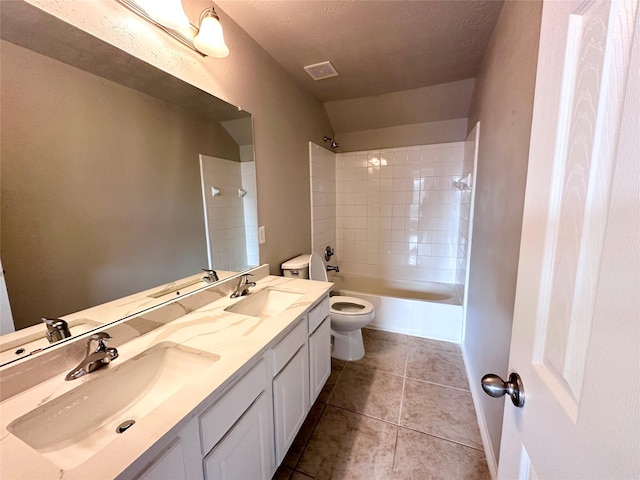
point(225, 214)
point(397, 213)
point(323, 198)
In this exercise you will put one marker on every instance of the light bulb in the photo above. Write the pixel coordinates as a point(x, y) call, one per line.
point(210, 38)
point(168, 13)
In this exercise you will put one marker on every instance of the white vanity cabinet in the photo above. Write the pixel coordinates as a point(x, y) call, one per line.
point(247, 449)
point(246, 432)
point(237, 431)
point(290, 387)
point(180, 459)
point(319, 358)
point(319, 348)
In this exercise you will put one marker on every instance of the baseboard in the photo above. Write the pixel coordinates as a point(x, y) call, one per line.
point(476, 394)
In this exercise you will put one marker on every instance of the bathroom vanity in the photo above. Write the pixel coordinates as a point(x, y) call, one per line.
point(218, 390)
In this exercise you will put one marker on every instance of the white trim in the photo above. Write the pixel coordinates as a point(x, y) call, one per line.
point(476, 394)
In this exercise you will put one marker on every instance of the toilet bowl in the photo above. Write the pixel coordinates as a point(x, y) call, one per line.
point(347, 314)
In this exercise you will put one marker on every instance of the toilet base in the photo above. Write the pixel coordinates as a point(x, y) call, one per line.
point(347, 346)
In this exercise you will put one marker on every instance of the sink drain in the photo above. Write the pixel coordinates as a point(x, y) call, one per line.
point(124, 426)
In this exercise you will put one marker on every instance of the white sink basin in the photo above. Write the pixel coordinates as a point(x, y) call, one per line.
point(70, 429)
point(265, 303)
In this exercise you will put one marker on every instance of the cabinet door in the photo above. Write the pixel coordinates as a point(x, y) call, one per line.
point(246, 451)
point(290, 400)
point(319, 358)
point(179, 460)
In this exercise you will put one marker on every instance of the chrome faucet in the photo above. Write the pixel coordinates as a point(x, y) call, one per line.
point(94, 360)
point(210, 277)
point(331, 268)
point(57, 329)
point(243, 285)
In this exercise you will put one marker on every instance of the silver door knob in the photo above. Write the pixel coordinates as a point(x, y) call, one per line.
point(494, 386)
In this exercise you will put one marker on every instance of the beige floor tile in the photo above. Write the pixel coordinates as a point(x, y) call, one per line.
point(283, 473)
point(448, 347)
point(369, 391)
point(346, 445)
point(383, 354)
point(441, 411)
point(371, 334)
point(300, 442)
point(437, 367)
point(301, 476)
point(423, 457)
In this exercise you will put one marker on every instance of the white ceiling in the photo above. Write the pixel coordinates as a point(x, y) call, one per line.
point(377, 47)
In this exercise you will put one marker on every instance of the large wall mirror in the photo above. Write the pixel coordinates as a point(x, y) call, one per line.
point(101, 184)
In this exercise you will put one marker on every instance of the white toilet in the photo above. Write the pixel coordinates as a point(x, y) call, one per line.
point(348, 314)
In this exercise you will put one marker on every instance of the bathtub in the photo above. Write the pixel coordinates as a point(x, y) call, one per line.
point(422, 309)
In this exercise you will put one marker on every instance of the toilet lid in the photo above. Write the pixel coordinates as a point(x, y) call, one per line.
point(317, 270)
point(350, 305)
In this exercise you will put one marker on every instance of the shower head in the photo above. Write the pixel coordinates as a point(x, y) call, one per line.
point(333, 144)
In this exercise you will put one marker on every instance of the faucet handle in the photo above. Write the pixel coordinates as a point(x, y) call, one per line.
point(99, 337)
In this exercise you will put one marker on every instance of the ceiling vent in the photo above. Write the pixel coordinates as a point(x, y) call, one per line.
point(320, 71)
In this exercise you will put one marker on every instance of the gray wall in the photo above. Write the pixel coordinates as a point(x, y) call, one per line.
point(503, 102)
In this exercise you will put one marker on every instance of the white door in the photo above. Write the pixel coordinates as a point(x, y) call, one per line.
point(576, 331)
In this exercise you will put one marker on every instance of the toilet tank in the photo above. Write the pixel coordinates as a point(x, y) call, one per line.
point(297, 267)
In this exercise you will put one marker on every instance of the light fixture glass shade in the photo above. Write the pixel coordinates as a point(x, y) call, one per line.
point(210, 38)
point(168, 13)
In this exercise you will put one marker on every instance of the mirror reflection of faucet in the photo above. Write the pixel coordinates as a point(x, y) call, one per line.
point(94, 360)
point(57, 329)
point(210, 277)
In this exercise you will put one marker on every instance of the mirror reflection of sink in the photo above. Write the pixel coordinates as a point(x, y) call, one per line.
point(175, 288)
point(18, 344)
point(265, 303)
point(71, 428)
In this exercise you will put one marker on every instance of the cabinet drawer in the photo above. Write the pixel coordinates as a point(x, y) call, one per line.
point(318, 314)
point(220, 417)
point(287, 348)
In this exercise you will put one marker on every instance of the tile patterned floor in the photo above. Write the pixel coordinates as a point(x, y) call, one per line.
point(402, 412)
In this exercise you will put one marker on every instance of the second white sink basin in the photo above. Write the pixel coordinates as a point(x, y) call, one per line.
point(69, 429)
point(265, 303)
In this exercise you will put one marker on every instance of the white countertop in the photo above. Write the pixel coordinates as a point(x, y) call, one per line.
point(236, 339)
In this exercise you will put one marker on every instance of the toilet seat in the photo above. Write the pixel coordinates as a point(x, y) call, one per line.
point(349, 313)
point(351, 306)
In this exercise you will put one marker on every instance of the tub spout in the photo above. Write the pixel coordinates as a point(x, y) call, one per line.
point(331, 268)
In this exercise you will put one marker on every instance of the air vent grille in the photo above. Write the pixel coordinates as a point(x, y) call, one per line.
point(320, 71)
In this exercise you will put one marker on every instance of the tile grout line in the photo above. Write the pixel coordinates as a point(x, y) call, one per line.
point(480, 449)
point(404, 382)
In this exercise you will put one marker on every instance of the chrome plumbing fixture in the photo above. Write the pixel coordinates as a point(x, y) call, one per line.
point(331, 268)
point(94, 360)
point(328, 253)
point(243, 285)
point(333, 144)
point(210, 277)
point(57, 329)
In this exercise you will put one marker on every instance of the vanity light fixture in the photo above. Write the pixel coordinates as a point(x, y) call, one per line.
point(210, 38)
point(169, 16)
